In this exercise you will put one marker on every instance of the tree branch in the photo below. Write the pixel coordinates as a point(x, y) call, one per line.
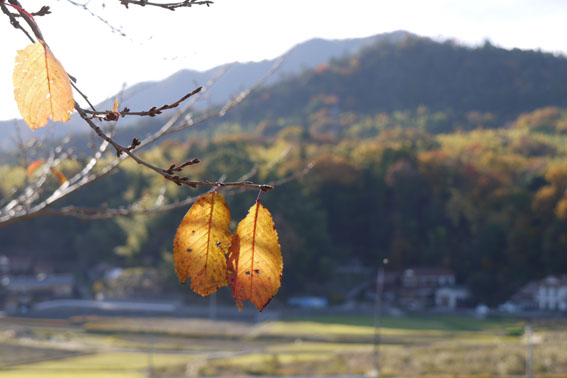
point(109, 115)
point(13, 21)
point(85, 213)
point(169, 6)
point(27, 207)
point(178, 180)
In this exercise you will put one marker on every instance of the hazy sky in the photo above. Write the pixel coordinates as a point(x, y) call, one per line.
point(160, 42)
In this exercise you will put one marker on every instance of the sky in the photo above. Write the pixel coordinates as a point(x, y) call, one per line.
point(159, 42)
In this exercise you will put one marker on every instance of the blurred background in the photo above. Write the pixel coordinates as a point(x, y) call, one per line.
point(422, 214)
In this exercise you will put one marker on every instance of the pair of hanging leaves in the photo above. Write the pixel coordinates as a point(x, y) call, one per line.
point(41, 86)
point(254, 264)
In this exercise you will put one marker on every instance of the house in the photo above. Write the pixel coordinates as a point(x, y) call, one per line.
point(415, 289)
point(547, 294)
point(430, 286)
point(18, 293)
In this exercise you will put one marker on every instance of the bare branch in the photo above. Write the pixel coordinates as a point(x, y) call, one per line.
point(13, 21)
point(85, 177)
point(178, 180)
point(28, 18)
point(84, 213)
point(109, 115)
point(29, 204)
point(43, 11)
point(169, 6)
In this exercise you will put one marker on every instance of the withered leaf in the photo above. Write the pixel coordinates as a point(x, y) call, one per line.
point(41, 86)
point(198, 246)
point(255, 261)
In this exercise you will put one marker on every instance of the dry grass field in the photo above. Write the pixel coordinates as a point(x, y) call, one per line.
point(319, 346)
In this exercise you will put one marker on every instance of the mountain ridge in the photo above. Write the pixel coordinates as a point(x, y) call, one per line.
point(240, 76)
point(442, 76)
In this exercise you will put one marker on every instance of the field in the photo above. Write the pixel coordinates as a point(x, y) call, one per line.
point(318, 345)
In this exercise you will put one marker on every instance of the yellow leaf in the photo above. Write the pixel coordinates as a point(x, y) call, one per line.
point(201, 242)
point(115, 107)
point(41, 86)
point(255, 261)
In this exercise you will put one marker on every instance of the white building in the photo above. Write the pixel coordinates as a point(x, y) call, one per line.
point(552, 293)
point(450, 297)
point(547, 294)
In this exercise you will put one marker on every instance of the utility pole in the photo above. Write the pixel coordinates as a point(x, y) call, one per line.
point(377, 311)
point(529, 351)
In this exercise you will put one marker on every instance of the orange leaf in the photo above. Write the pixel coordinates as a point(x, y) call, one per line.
point(255, 261)
point(115, 107)
point(60, 176)
point(33, 166)
point(41, 86)
point(201, 242)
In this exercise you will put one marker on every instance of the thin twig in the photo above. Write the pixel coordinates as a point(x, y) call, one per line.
point(85, 213)
point(14, 22)
point(169, 6)
point(28, 18)
point(163, 172)
point(109, 115)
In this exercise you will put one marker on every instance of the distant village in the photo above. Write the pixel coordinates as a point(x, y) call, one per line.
point(25, 282)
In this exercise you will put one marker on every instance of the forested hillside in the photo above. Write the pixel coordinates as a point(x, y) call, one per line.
point(488, 203)
point(425, 153)
point(417, 72)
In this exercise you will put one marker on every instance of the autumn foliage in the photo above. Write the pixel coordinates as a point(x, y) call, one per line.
point(255, 261)
point(254, 257)
point(201, 242)
point(41, 86)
